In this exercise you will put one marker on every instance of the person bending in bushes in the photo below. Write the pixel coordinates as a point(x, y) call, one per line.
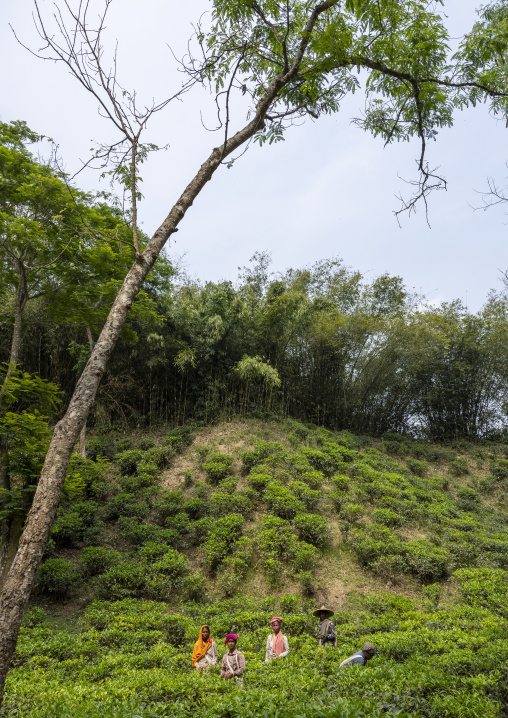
point(233, 662)
point(326, 630)
point(360, 658)
point(204, 654)
point(277, 645)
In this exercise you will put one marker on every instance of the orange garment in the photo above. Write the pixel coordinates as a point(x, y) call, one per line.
point(278, 643)
point(200, 647)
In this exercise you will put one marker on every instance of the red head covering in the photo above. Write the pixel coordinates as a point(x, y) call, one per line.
point(230, 635)
point(275, 618)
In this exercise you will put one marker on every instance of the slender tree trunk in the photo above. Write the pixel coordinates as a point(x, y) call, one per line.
point(21, 299)
point(22, 575)
point(12, 527)
point(11, 533)
point(82, 435)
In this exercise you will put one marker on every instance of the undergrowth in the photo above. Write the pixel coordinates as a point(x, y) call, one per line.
point(271, 513)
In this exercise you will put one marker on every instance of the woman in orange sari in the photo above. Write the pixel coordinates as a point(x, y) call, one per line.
point(204, 654)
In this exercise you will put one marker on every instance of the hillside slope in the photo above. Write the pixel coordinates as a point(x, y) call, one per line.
point(407, 541)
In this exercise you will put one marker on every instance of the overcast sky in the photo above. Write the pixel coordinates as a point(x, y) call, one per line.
point(328, 190)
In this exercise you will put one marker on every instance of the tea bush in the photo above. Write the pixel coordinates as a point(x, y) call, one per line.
point(125, 504)
point(128, 460)
point(218, 467)
point(341, 482)
point(146, 443)
point(240, 502)
point(282, 502)
point(125, 579)
point(352, 512)
point(270, 452)
point(499, 470)
point(259, 482)
point(165, 577)
point(195, 508)
point(313, 529)
point(313, 479)
point(180, 437)
point(309, 497)
point(458, 467)
point(426, 562)
point(160, 456)
point(326, 462)
point(123, 445)
point(419, 468)
point(277, 540)
point(102, 446)
point(468, 500)
point(91, 476)
point(97, 559)
point(387, 517)
point(131, 659)
point(137, 533)
point(220, 539)
point(485, 588)
point(232, 575)
point(33, 617)
point(57, 577)
point(306, 557)
point(76, 525)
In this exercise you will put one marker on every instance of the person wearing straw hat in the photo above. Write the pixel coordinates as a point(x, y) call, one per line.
point(277, 645)
point(368, 651)
point(326, 630)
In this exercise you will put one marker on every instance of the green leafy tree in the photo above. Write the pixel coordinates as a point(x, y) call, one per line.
point(26, 404)
point(291, 60)
point(456, 366)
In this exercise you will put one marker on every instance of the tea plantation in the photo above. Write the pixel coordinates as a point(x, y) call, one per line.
point(227, 525)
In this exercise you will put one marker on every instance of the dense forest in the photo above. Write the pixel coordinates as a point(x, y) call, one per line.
point(321, 344)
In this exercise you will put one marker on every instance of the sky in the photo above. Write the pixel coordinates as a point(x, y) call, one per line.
point(328, 190)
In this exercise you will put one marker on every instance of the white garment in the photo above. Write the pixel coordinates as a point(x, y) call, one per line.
point(209, 659)
point(270, 653)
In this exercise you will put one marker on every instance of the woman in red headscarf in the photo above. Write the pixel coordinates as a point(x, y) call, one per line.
point(277, 645)
point(204, 654)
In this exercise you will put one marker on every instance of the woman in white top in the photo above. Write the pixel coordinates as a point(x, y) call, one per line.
point(277, 645)
point(205, 653)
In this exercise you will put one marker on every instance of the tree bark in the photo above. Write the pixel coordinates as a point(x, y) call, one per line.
point(82, 435)
point(22, 575)
point(11, 533)
point(13, 526)
point(21, 300)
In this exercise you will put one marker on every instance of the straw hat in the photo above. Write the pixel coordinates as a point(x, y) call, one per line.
point(323, 608)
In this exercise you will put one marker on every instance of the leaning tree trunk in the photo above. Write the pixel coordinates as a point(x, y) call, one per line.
point(22, 575)
point(12, 527)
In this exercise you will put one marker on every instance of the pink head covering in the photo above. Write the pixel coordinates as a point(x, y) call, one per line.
point(275, 618)
point(230, 635)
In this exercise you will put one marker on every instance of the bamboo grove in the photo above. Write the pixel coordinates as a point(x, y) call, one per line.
point(321, 344)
